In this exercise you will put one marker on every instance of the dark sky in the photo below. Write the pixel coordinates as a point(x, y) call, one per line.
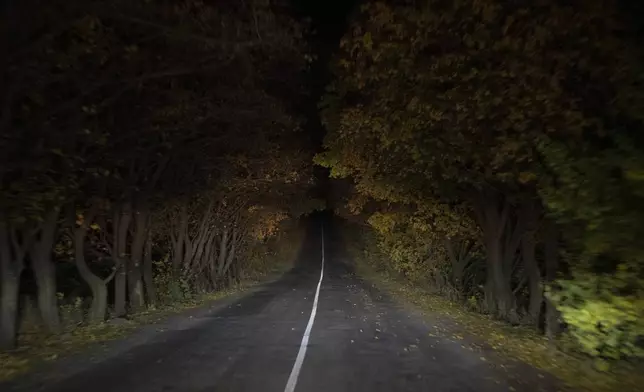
point(328, 23)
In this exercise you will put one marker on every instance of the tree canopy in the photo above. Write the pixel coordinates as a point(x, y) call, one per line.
point(140, 137)
point(496, 123)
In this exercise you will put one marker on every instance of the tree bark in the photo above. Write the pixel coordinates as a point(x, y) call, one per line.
point(503, 299)
point(178, 240)
point(493, 214)
point(122, 220)
point(528, 247)
point(10, 271)
point(460, 257)
point(9, 309)
point(134, 272)
point(231, 252)
point(553, 327)
point(209, 259)
point(95, 283)
point(45, 272)
point(195, 246)
point(148, 277)
point(457, 272)
point(223, 251)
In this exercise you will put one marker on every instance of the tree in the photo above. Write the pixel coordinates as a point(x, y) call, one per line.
point(466, 103)
point(117, 114)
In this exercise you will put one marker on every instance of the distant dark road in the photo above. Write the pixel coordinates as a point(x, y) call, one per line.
point(360, 341)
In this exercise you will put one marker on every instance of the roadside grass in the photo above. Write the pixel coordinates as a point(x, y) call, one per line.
point(513, 342)
point(35, 347)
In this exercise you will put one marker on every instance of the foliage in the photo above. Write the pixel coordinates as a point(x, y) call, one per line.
point(170, 288)
point(600, 190)
point(475, 331)
point(511, 129)
point(605, 313)
point(154, 144)
point(73, 313)
point(275, 254)
point(407, 252)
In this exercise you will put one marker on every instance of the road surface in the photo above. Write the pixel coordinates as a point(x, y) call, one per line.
point(358, 340)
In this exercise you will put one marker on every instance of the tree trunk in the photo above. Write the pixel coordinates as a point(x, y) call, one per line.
point(237, 271)
point(8, 309)
point(457, 272)
point(533, 276)
point(10, 271)
point(45, 272)
point(95, 283)
point(553, 327)
point(178, 242)
point(233, 249)
point(122, 220)
point(209, 262)
point(195, 246)
point(459, 257)
point(503, 298)
point(493, 213)
point(120, 292)
point(135, 283)
point(223, 251)
point(148, 277)
point(11, 267)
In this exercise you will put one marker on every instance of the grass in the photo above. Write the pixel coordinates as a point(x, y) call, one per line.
point(36, 347)
point(519, 343)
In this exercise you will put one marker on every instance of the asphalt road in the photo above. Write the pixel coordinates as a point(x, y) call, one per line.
point(360, 340)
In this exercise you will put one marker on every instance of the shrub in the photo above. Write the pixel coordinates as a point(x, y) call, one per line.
point(604, 313)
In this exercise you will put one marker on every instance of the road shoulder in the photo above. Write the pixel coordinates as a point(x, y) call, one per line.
point(510, 347)
point(65, 356)
point(490, 340)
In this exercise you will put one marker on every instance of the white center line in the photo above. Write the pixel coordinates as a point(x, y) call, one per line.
point(295, 373)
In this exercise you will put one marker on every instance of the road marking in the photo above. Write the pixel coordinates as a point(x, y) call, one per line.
point(295, 373)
